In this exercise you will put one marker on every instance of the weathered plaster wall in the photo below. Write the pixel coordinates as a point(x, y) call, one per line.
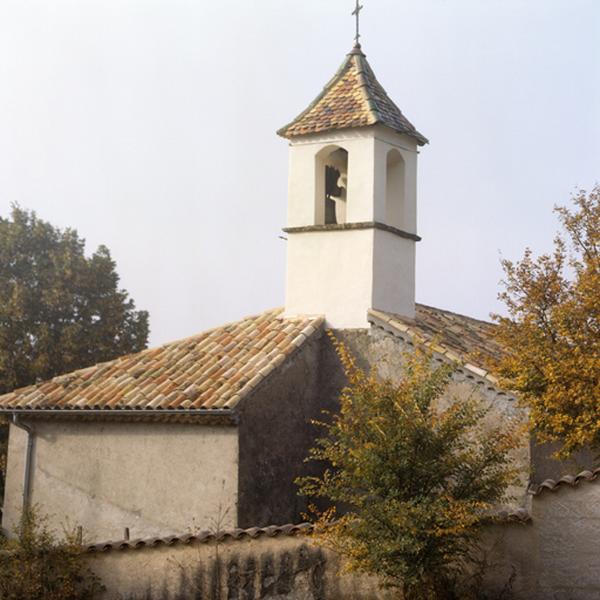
point(155, 478)
point(378, 349)
point(554, 557)
point(544, 465)
point(275, 436)
point(566, 535)
point(281, 568)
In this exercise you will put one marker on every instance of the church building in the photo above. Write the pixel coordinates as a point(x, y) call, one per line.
point(211, 431)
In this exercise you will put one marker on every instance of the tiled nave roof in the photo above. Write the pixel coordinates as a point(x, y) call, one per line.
point(353, 98)
point(457, 337)
point(217, 368)
point(212, 370)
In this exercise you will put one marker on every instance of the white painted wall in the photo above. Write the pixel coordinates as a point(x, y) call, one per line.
point(330, 273)
point(151, 477)
point(393, 274)
point(342, 274)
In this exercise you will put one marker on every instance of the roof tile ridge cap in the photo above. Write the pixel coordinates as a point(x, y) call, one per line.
point(454, 313)
point(77, 372)
point(365, 67)
point(394, 320)
point(362, 69)
point(282, 131)
point(201, 537)
point(571, 480)
point(274, 312)
point(313, 325)
point(275, 362)
point(371, 81)
point(519, 514)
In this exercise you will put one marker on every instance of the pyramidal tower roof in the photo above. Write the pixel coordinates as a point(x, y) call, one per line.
point(353, 98)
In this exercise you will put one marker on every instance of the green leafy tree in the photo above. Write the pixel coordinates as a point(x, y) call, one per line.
point(410, 477)
point(59, 310)
point(36, 565)
point(552, 331)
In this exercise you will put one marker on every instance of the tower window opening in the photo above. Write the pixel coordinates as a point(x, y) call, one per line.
point(394, 200)
point(332, 191)
point(332, 172)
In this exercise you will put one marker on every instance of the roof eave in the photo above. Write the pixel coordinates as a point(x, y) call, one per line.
point(206, 416)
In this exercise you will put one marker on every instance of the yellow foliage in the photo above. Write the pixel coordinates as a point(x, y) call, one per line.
point(408, 480)
point(552, 333)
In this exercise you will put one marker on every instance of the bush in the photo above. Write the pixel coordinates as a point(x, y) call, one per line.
point(37, 565)
point(410, 479)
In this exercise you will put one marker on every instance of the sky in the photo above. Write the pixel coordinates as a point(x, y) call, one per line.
point(149, 126)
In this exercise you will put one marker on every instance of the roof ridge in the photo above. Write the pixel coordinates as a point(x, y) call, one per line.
point(336, 77)
point(213, 369)
point(362, 71)
point(452, 312)
point(112, 361)
point(407, 327)
point(352, 98)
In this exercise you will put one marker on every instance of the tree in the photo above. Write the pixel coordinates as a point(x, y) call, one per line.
point(410, 478)
point(59, 310)
point(36, 565)
point(552, 331)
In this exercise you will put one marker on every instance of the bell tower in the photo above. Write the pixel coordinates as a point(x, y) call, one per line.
point(352, 202)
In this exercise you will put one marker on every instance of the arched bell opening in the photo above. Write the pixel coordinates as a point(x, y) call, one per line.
point(394, 191)
point(332, 185)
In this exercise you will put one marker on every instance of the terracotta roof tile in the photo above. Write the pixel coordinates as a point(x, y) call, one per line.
point(553, 485)
point(519, 515)
point(353, 98)
point(214, 369)
point(457, 337)
point(203, 537)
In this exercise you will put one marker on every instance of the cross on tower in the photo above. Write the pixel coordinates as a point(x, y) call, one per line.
point(356, 13)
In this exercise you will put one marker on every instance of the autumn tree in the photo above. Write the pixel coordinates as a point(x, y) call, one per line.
point(410, 478)
point(59, 310)
point(552, 331)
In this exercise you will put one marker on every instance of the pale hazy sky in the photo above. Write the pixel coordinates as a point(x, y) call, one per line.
point(149, 126)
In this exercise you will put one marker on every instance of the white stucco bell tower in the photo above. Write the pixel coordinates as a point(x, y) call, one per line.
point(352, 202)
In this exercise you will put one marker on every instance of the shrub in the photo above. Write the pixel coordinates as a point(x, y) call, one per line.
point(410, 479)
point(36, 565)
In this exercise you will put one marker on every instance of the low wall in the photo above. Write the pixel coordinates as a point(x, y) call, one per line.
point(275, 563)
point(550, 552)
point(566, 515)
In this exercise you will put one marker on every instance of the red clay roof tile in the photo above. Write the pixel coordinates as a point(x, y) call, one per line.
point(214, 369)
point(353, 98)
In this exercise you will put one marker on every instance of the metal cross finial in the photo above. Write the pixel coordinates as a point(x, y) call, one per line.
point(356, 13)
